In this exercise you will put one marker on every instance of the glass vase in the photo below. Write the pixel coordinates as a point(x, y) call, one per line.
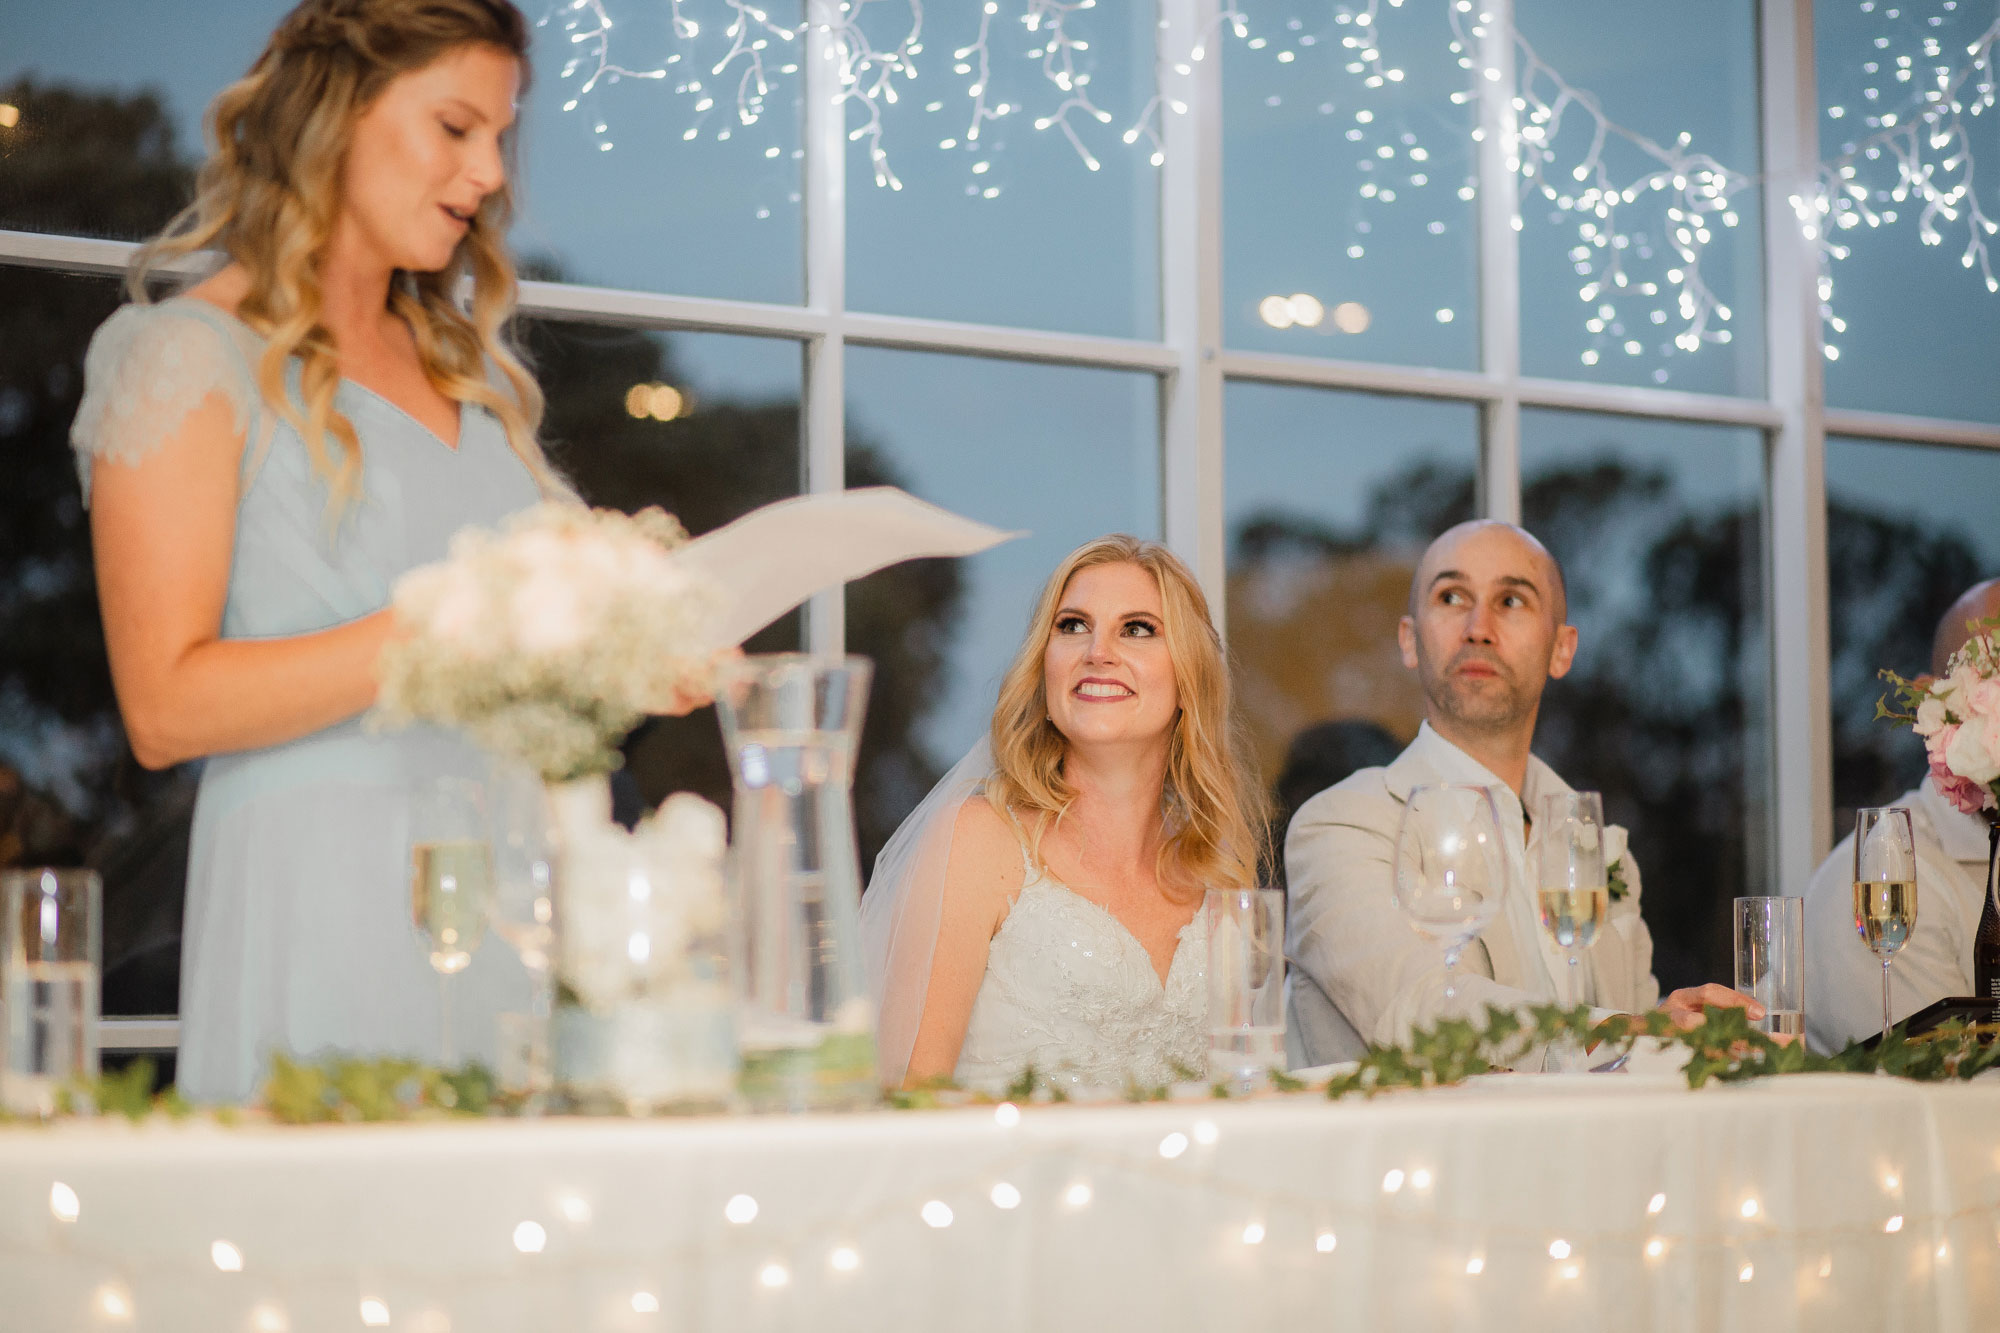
point(791, 723)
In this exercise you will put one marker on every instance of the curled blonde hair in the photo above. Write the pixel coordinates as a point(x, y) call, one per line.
point(269, 194)
point(1213, 806)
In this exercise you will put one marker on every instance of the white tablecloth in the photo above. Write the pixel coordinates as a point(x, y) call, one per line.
point(1805, 1203)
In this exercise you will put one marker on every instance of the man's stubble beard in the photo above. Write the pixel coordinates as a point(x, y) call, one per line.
point(1486, 711)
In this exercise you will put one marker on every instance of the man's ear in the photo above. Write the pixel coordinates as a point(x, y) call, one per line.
point(1563, 653)
point(1406, 639)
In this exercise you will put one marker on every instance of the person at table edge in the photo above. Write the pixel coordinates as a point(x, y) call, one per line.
point(1843, 978)
point(1487, 628)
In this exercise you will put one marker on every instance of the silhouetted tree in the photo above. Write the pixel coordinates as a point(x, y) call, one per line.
point(95, 165)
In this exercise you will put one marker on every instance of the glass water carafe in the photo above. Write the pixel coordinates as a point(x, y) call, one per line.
point(791, 723)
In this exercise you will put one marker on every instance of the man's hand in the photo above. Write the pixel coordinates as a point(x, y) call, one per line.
point(1685, 1006)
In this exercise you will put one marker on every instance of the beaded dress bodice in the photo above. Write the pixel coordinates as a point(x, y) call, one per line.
point(1071, 991)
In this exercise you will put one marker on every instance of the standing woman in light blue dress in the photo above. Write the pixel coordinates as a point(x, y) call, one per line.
point(264, 455)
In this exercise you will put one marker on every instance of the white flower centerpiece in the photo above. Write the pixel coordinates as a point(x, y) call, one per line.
point(547, 642)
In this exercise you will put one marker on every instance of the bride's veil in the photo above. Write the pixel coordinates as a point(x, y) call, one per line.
point(903, 907)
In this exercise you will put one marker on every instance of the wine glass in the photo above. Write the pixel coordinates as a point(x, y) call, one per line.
point(1450, 869)
point(451, 880)
point(1885, 886)
point(523, 906)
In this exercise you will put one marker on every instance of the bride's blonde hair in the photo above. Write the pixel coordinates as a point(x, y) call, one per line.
point(1212, 803)
point(269, 193)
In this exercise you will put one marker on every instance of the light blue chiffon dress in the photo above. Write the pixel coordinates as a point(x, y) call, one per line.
point(298, 934)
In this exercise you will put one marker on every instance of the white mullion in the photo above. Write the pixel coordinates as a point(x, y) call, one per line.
point(1004, 343)
point(1635, 401)
point(1912, 430)
point(695, 314)
point(88, 255)
point(1190, 206)
point(1366, 377)
point(1499, 264)
point(822, 418)
point(1796, 587)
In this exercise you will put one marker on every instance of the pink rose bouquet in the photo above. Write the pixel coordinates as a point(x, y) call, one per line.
point(1958, 715)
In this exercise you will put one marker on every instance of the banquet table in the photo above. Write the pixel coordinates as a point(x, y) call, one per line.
point(1516, 1201)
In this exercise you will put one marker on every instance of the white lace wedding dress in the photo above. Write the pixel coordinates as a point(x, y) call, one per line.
point(1071, 991)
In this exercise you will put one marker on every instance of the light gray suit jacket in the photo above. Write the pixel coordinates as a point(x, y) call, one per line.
point(1360, 973)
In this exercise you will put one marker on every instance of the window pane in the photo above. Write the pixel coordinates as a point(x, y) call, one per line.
point(1065, 453)
point(1908, 528)
point(1011, 227)
point(1355, 197)
point(1659, 529)
point(1892, 285)
point(70, 791)
point(1330, 499)
point(109, 135)
point(717, 214)
point(729, 442)
point(1638, 61)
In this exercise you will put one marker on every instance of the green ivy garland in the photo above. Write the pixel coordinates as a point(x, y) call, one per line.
point(1722, 1047)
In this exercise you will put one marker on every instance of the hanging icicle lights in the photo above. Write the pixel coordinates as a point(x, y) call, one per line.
point(1618, 264)
point(1634, 271)
point(1917, 149)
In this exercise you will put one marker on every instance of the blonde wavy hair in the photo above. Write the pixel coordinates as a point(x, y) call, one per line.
point(1213, 805)
point(269, 194)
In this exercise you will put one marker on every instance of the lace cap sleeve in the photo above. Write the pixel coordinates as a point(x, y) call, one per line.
point(147, 368)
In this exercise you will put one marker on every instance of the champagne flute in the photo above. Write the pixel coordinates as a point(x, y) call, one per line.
point(451, 881)
point(1885, 886)
point(1572, 896)
point(1450, 869)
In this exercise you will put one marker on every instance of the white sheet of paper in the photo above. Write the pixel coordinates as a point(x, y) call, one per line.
point(774, 558)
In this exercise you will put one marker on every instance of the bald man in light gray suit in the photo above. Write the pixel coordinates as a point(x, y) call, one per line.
point(1487, 629)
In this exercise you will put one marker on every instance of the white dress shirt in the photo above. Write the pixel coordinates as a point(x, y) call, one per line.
point(1844, 978)
point(1361, 974)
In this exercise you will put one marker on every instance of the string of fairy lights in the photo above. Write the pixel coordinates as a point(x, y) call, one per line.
point(1645, 210)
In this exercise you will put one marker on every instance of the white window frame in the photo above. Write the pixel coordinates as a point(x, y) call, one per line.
point(1194, 367)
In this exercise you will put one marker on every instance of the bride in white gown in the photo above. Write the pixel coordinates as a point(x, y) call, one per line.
point(1042, 907)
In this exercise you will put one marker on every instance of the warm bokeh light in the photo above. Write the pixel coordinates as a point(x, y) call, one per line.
point(114, 1304)
point(1303, 310)
point(661, 402)
point(1275, 311)
point(10, 115)
point(666, 402)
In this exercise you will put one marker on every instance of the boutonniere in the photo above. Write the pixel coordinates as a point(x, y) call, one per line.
point(1614, 862)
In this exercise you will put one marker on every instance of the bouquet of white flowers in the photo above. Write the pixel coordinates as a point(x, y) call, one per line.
point(1958, 715)
point(550, 640)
